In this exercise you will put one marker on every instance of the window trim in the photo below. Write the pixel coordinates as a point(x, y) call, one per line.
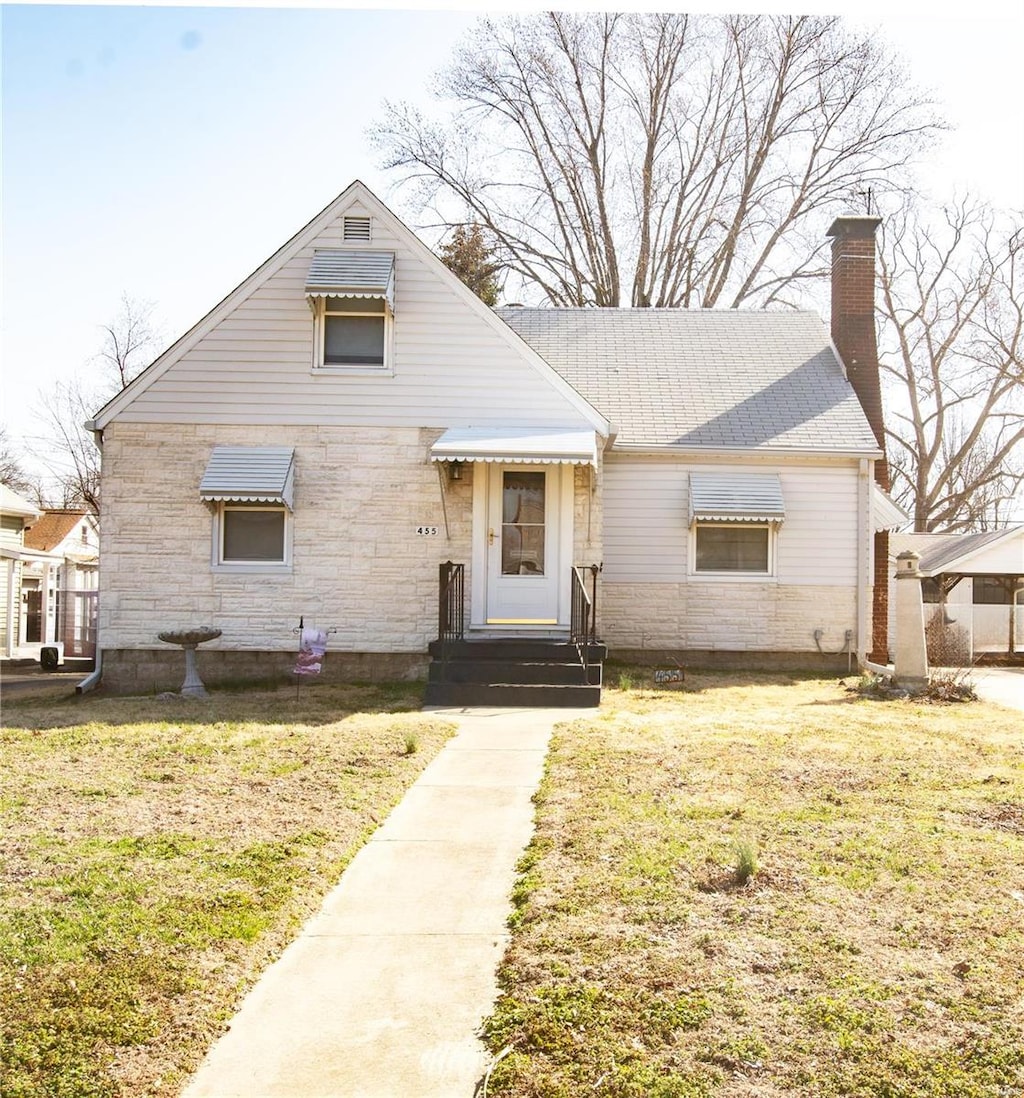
point(772, 529)
point(320, 314)
point(219, 564)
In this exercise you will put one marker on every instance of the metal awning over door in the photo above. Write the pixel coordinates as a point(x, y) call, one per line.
point(516, 445)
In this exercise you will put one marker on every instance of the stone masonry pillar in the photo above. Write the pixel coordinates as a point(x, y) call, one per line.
point(911, 651)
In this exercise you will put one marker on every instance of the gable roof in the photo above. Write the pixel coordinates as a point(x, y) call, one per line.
point(53, 528)
point(13, 504)
point(355, 192)
point(951, 552)
point(704, 378)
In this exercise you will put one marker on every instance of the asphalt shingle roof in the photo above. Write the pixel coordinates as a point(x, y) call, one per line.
point(52, 529)
point(703, 378)
point(949, 552)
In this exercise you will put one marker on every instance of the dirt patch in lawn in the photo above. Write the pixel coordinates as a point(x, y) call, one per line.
point(875, 947)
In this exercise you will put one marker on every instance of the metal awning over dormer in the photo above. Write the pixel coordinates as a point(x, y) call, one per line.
point(250, 474)
point(736, 497)
point(337, 272)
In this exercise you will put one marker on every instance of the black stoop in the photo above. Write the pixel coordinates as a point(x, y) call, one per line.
point(514, 672)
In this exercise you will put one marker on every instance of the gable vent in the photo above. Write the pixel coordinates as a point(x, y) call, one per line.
point(356, 228)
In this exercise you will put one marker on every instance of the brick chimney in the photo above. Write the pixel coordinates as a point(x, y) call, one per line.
point(853, 332)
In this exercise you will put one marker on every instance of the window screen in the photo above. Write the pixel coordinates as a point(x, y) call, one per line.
point(253, 534)
point(733, 548)
point(353, 332)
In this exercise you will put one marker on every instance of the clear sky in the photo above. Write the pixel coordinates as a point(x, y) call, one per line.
point(167, 151)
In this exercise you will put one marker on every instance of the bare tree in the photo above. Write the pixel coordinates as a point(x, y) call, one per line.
point(68, 450)
point(127, 341)
point(13, 472)
point(952, 346)
point(659, 159)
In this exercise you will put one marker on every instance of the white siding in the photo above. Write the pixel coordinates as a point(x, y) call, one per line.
point(450, 367)
point(646, 514)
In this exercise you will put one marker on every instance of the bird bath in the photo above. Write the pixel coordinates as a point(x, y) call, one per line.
point(189, 639)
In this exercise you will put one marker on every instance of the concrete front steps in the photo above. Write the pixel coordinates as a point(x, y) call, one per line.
point(546, 673)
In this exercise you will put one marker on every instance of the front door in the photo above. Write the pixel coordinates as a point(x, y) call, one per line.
point(525, 542)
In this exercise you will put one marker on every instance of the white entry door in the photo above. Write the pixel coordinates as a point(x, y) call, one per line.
point(525, 544)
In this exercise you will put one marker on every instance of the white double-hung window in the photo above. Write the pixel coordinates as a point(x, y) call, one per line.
point(734, 522)
point(354, 332)
point(250, 490)
point(351, 294)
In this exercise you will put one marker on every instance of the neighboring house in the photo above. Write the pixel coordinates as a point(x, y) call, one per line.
point(60, 588)
point(16, 515)
point(351, 417)
point(973, 591)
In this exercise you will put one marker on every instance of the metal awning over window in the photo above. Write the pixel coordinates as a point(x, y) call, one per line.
point(736, 497)
point(250, 474)
point(338, 273)
point(516, 445)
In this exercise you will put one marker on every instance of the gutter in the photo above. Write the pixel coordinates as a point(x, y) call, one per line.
point(96, 432)
point(735, 451)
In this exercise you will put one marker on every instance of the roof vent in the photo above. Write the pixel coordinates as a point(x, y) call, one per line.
point(356, 229)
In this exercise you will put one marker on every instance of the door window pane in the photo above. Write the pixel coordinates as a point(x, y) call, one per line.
point(522, 527)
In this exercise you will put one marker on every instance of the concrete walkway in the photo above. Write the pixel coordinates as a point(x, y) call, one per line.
point(382, 993)
point(1003, 685)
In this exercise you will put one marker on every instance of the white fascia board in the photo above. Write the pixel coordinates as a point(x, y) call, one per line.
point(186, 342)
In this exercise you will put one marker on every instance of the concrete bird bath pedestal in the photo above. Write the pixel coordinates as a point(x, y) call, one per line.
point(190, 639)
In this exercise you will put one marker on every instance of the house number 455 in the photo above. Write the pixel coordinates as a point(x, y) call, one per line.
point(427, 531)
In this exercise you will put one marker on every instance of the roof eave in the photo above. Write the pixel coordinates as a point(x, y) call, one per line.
point(957, 563)
point(852, 454)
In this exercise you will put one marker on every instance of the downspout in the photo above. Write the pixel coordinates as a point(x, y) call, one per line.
point(12, 617)
point(863, 556)
point(92, 680)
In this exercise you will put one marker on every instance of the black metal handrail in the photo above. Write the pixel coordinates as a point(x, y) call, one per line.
point(451, 602)
point(583, 612)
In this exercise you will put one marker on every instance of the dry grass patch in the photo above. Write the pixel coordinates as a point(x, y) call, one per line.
point(158, 853)
point(874, 950)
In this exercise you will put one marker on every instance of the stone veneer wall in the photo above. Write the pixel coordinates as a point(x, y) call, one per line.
point(358, 565)
point(743, 618)
point(587, 515)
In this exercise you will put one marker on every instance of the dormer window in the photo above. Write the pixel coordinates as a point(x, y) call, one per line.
point(352, 297)
point(355, 331)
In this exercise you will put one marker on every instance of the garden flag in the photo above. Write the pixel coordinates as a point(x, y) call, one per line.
point(312, 646)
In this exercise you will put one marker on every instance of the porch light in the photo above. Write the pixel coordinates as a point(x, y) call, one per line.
point(455, 470)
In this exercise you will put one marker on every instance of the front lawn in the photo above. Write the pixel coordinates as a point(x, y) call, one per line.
point(876, 948)
point(158, 853)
